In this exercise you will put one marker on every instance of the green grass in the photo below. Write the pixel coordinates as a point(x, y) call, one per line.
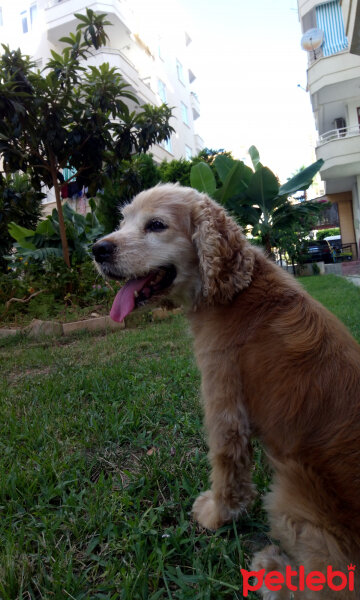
point(338, 295)
point(102, 453)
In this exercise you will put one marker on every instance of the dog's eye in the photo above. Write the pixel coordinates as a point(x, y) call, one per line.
point(155, 225)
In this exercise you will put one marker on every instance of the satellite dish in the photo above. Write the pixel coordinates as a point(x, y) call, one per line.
point(312, 39)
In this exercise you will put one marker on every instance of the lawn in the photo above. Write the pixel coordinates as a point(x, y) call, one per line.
point(338, 295)
point(102, 454)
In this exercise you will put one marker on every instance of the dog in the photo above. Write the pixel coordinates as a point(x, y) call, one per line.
point(275, 364)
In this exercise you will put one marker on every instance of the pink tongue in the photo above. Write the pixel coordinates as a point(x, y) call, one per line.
point(124, 300)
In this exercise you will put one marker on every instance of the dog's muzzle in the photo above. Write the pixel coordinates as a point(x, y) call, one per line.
point(103, 251)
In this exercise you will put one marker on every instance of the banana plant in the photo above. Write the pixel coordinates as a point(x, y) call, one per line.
point(45, 241)
point(255, 197)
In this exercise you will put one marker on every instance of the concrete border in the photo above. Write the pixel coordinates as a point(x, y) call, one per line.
point(56, 329)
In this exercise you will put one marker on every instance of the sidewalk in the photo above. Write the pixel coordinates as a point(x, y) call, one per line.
point(355, 279)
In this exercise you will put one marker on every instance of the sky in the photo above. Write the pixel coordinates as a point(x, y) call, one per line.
point(248, 62)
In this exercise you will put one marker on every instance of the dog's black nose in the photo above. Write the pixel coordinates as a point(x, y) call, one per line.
point(103, 251)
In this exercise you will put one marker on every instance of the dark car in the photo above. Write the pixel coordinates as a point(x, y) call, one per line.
point(316, 251)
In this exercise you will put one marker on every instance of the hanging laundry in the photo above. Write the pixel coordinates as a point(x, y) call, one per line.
point(64, 191)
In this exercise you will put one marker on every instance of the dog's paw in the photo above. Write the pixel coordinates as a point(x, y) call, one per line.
point(206, 512)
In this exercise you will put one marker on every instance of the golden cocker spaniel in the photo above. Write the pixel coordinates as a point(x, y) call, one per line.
point(274, 363)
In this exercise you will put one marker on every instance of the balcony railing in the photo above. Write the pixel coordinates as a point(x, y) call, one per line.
point(52, 3)
point(337, 134)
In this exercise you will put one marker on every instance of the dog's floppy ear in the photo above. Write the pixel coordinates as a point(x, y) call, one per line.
point(225, 257)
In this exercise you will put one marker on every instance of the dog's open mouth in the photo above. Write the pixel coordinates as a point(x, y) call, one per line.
point(138, 291)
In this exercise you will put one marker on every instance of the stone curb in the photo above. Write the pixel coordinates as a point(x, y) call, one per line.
point(53, 328)
point(91, 325)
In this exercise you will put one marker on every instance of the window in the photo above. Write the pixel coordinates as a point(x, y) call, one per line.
point(188, 152)
point(167, 145)
point(24, 21)
point(179, 70)
point(33, 13)
point(184, 113)
point(162, 91)
point(28, 17)
point(1, 17)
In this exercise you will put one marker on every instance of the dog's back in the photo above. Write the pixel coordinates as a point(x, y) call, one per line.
point(300, 378)
point(304, 395)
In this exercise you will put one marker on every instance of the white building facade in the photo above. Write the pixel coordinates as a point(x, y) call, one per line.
point(153, 54)
point(334, 85)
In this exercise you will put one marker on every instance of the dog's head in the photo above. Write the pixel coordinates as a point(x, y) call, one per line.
point(177, 243)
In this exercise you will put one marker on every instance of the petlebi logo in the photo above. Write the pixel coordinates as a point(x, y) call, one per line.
point(298, 580)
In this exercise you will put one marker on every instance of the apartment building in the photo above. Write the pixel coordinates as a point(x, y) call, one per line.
point(150, 47)
point(334, 85)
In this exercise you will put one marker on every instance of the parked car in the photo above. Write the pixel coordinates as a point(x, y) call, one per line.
point(317, 251)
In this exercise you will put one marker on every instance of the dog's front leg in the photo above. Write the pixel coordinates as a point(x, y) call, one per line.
point(230, 456)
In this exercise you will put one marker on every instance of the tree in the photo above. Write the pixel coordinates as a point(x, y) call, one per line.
point(133, 176)
point(68, 116)
point(290, 241)
point(256, 198)
point(19, 202)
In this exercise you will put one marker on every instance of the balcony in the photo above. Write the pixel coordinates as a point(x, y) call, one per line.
point(192, 76)
point(117, 59)
point(340, 149)
point(60, 19)
point(337, 134)
point(332, 70)
point(195, 105)
point(306, 6)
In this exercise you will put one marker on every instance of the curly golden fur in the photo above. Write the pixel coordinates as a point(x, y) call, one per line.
point(275, 364)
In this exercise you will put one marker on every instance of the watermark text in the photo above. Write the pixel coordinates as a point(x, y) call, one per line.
point(298, 580)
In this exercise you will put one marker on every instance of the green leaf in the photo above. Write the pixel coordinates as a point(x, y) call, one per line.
point(57, 56)
point(247, 215)
point(263, 187)
point(202, 178)
point(255, 157)
point(38, 253)
point(234, 183)
point(20, 235)
point(92, 205)
point(223, 164)
point(302, 180)
point(45, 228)
point(83, 18)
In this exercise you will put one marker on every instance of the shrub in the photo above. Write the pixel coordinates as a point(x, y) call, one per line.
point(176, 171)
point(315, 269)
point(19, 202)
point(44, 242)
point(179, 170)
point(49, 288)
point(321, 235)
